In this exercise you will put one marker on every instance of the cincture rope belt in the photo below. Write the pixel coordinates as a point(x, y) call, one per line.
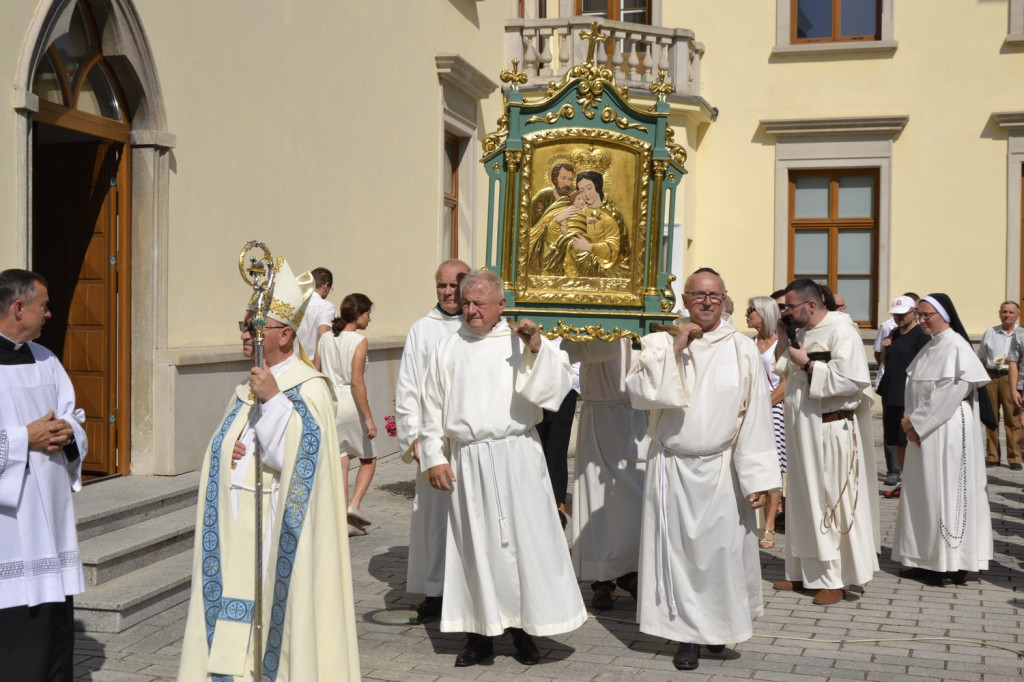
point(665, 588)
point(502, 524)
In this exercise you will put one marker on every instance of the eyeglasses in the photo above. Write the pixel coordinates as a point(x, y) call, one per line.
point(925, 316)
point(713, 296)
point(751, 309)
point(786, 307)
point(244, 326)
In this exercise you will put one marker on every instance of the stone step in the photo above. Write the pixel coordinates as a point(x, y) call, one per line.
point(109, 505)
point(118, 604)
point(114, 554)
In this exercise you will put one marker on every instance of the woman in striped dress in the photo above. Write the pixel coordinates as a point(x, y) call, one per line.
point(763, 317)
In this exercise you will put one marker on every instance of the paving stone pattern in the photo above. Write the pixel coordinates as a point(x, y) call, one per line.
point(895, 629)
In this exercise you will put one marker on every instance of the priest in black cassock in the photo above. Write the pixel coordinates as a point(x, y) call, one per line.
point(42, 444)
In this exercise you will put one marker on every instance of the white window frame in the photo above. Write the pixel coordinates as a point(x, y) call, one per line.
point(463, 87)
point(831, 143)
point(783, 26)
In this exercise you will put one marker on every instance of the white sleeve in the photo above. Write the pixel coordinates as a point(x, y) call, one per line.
point(270, 429)
point(656, 381)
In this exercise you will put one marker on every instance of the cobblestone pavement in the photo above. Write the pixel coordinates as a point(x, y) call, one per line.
point(895, 629)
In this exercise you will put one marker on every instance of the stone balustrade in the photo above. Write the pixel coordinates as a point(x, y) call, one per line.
point(548, 48)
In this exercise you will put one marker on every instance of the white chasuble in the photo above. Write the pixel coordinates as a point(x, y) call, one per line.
point(712, 444)
point(611, 455)
point(308, 608)
point(944, 523)
point(832, 530)
point(39, 559)
point(428, 523)
point(507, 563)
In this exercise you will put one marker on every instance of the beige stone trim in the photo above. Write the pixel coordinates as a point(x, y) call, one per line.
point(1015, 36)
point(853, 125)
point(1013, 123)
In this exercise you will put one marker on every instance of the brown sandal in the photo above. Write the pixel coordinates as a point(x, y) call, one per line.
point(768, 541)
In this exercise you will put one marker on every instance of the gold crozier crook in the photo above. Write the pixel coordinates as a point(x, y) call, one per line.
point(259, 274)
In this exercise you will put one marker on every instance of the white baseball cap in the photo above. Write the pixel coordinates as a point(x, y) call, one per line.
point(902, 305)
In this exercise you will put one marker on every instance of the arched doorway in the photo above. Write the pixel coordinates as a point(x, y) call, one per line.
point(81, 226)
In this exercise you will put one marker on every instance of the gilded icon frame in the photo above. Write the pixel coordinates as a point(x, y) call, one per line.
point(624, 162)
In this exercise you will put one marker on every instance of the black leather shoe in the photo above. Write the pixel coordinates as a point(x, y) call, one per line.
point(602, 599)
point(478, 648)
point(526, 650)
point(957, 577)
point(715, 648)
point(429, 608)
point(628, 583)
point(686, 656)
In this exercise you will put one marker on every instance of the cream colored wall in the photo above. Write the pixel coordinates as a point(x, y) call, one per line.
point(315, 127)
point(949, 74)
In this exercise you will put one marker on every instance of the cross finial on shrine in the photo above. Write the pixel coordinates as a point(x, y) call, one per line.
point(515, 77)
point(660, 87)
point(593, 36)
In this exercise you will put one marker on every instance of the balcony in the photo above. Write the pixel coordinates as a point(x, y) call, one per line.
point(548, 48)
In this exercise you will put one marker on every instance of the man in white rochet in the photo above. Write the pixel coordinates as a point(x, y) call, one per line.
point(429, 522)
point(711, 463)
point(507, 564)
point(42, 445)
point(832, 534)
point(309, 630)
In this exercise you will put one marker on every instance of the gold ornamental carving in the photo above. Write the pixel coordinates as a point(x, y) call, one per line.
point(661, 88)
point(591, 332)
point(515, 77)
point(608, 116)
point(676, 151)
point(566, 112)
point(496, 140)
point(669, 300)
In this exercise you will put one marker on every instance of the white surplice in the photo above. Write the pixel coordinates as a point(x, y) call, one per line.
point(711, 446)
point(428, 524)
point(39, 559)
point(832, 533)
point(944, 523)
point(611, 455)
point(507, 563)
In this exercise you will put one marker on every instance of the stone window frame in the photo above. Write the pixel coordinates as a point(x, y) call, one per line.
point(1015, 35)
point(783, 31)
point(1013, 124)
point(462, 87)
point(835, 143)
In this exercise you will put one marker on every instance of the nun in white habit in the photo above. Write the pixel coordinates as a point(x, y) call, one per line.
point(944, 528)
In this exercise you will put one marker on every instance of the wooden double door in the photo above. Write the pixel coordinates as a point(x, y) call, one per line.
point(80, 245)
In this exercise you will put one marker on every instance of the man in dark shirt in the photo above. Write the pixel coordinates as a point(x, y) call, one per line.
point(898, 350)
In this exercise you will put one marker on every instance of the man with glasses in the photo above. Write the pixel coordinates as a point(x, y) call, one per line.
point(319, 312)
point(711, 462)
point(308, 610)
point(832, 498)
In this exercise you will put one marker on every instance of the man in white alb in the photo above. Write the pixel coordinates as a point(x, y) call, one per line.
point(832, 534)
point(507, 565)
point(429, 522)
point(711, 463)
